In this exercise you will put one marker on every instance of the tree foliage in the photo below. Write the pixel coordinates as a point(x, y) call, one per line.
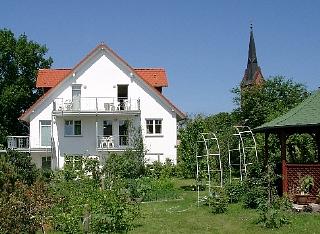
point(24, 197)
point(254, 106)
point(260, 104)
point(220, 124)
point(20, 59)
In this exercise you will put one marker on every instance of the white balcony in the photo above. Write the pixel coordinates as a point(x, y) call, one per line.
point(96, 105)
point(22, 144)
point(18, 142)
point(112, 143)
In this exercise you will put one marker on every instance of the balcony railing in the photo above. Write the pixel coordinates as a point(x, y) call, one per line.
point(18, 142)
point(96, 104)
point(113, 142)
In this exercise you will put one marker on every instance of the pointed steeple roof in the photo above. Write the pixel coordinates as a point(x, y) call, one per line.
point(252, 57)
point(253, 74)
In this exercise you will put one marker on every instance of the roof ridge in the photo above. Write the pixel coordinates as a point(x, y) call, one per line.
point(54, 69)
point(149, 68)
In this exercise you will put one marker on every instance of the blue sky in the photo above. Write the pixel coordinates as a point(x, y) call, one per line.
point(203, 45)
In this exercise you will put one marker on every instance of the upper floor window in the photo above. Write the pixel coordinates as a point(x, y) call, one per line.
point(72, 127)
point(154, 126)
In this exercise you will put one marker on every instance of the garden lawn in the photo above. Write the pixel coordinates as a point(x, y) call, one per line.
point(183, 216)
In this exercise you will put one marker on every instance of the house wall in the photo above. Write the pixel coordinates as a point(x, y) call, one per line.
point(99, 77)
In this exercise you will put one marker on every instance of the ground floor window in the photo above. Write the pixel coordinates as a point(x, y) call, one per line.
point(46, 163)
point(123, 132)
point(73, 161)
point(107, 128)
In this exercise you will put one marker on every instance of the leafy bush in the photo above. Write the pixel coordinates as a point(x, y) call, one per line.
point(217, 201)
point(235, 191)
point(129, 164)
point(150, 189)
point(274, 215)
point(15, 166)
point(256, 187)
point(82, 203)
point(24, 197)
point(25, 210)
point(254, 196)
point(161, 170)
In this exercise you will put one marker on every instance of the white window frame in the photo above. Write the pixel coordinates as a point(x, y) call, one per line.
point(153, 124)
point(44, 123)
point(73, 127)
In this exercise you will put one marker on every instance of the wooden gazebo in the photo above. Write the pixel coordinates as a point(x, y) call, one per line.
point(304, 118)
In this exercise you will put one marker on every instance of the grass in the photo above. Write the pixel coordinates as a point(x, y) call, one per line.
point(184, 216)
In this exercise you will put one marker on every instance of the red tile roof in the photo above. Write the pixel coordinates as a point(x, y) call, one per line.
point(48, 78)
point(155, 76)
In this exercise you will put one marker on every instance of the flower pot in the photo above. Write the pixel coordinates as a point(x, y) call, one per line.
point(301, 199)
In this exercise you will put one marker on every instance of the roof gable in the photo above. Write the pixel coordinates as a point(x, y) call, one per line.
point(59, 76)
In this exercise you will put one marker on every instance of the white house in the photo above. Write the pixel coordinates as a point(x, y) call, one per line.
point(88, 109)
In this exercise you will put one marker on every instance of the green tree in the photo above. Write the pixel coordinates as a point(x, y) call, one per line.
point(24, 197)
point(254, 106)
point(20, 59)
point(189, 134)
point(259, 104)
point(15, 166)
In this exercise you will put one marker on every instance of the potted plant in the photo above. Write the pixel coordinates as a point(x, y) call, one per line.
point(306, 184)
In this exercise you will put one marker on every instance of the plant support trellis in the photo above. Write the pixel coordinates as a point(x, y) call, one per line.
point(209, 166)
point(242, 150)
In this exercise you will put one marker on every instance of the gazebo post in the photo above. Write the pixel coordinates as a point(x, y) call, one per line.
point(266, 148)
point(283, 140)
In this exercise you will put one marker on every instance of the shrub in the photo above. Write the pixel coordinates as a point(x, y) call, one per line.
point(83, 205)
point(129, 164)
point(256, 187)
point(15, 166)
point(254, 196)
point(217, 201)
point(235, 191)
point(274, 214)
point(151, 189)
point(163, 170)
point(25, 210)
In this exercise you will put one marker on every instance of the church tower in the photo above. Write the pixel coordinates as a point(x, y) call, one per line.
point(253, 75)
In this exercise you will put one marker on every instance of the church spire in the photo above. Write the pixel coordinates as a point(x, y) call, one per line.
point(252, 57)
point(253, 75)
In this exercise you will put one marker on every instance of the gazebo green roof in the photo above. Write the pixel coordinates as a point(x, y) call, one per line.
point(305, 115)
